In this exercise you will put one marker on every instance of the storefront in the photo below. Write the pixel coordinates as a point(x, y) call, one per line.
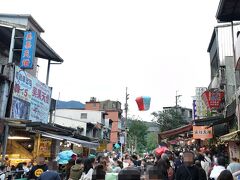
point(232, 141)
point(27, 140)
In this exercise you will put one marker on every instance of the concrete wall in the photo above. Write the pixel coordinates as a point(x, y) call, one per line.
point(115, 129)
point(230, 79)
point(92, 106)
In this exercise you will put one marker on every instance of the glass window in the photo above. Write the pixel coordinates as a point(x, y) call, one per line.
point(83, 115)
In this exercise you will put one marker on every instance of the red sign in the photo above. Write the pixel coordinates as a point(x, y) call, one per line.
point(213, 99)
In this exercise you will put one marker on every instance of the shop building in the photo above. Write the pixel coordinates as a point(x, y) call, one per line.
point(90, 123)
point(24, 100)
point(114, 112)
point(220, 96)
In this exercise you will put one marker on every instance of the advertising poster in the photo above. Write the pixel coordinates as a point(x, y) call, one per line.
point(45, 147)
point(234, 151)
point(31, 98)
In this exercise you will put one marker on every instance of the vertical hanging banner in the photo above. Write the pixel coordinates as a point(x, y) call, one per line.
point(28, 50)
point(194, 109)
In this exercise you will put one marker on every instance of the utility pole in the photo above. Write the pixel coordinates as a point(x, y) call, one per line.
point(177, 98)
point(126, 111)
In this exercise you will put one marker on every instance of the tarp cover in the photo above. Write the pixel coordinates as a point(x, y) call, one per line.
point(233, 136)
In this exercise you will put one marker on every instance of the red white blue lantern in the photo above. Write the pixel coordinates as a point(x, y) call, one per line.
point(143, 103)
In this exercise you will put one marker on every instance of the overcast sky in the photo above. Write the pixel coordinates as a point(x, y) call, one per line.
point(153, 47)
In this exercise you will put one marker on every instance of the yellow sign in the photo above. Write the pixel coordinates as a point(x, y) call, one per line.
point(202, 132)
point(45, 147)
point(102, 147)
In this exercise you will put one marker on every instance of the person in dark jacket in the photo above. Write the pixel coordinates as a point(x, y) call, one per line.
point(76, 170)
point(202, 173)
point(51, 173)
point(99, 173)
point(187, 171)
point(37, 170)
point(158, 171)
point(225, 175)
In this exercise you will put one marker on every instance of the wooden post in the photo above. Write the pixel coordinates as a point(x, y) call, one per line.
point(38, 144)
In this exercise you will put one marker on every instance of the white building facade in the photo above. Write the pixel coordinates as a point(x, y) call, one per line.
point(90, 122)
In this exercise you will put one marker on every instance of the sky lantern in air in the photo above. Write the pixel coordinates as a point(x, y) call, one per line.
point(143, 103)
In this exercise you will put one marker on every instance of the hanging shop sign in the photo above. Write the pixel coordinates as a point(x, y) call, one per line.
point(213, 99)
point(31, 98)
point(28, 50)
point(202, 132)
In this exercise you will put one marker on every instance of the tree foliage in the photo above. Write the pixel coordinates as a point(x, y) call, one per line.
point(152, 141)
point(168, 119)
point(137, 135)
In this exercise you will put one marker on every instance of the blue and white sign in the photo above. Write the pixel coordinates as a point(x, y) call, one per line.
point(28, 50)
point(31, 98)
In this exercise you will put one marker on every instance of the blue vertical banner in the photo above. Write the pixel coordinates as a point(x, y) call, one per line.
point(28, 50)
point(194, 109)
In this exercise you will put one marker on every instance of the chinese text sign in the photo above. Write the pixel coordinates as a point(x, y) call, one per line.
point(202, 132)
point(28, 50)
point(31, 98)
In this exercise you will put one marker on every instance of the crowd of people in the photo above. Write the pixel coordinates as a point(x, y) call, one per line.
point(162, 164)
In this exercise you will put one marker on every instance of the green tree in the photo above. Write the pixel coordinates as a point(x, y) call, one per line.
point(137, 135)
point(168, 119)
point(152, 141)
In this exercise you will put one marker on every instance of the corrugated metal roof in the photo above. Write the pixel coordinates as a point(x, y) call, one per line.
point(23, 19)
point(43, 50)
point(228, 10)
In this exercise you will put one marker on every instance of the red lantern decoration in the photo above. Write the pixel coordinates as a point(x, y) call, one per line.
point(212, 99)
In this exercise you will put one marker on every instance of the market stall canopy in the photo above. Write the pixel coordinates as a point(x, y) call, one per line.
point(71, 140)
point(233, 136)
point(172, 132)
point(228, 10)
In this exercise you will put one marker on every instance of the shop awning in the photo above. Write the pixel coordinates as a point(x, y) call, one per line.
point(212, 121)
point(172, 132)
point(71, 139)
point(207, 121)
point(233, 136)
